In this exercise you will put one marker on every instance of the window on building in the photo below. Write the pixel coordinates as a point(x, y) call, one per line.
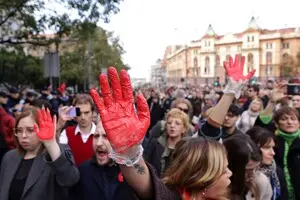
point(208, 43)
point(269, 58)
point(248, 38)
point(207, 64)
point(218, 61)
point(250, 62)
point(252, 38)
point(268, 63)
point(285, 59)
point(195, 62)
point(269, 46)
point(285, 45)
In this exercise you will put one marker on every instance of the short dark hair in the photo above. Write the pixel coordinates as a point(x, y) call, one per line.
point(40, 103)
point(83, 99)
point(234, 109)
point(285, 110)
point(254, 87)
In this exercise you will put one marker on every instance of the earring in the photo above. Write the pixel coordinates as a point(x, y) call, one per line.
point(204, 192)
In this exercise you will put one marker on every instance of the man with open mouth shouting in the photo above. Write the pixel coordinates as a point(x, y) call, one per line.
point(100, 177)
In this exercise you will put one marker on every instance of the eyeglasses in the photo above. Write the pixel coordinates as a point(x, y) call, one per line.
point(16, 110)
point(29, 131)
point(186, 111)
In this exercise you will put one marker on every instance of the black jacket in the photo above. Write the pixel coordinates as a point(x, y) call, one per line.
point(153, 154)
point(100, 183)
point(282, 182)
point(293, 161)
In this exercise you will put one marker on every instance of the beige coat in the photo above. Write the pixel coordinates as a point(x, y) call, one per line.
point(264, 187)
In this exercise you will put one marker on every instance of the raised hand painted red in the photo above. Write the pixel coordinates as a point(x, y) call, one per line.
point(124, 127)
point(235, 69)
point(46, 128)
point(62, 88)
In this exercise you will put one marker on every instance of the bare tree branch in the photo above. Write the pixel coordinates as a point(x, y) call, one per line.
point(37, 43)
point(12, 13)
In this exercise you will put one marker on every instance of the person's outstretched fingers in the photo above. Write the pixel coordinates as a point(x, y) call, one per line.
point(126, 86)
point(143, 111)
point(115, 83)
point(98, 102)
point(106, 92)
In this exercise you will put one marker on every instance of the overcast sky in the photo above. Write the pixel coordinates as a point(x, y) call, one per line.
point(146, 27)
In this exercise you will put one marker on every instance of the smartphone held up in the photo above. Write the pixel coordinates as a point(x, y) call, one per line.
point(293, 89)
point(72, 112)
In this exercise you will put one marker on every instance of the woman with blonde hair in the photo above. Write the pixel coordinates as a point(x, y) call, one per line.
point(159, 150)
point(205, 175)
point(159, 128)
point(248, 117)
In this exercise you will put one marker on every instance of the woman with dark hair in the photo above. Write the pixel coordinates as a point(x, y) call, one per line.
point(264, 139)
point(243, 160)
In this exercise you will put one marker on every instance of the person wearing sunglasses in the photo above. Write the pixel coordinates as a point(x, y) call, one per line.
point(17, 110)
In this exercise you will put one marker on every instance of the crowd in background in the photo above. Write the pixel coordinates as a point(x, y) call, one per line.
point(260, 133)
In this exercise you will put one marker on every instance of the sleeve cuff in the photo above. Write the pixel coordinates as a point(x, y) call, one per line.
point(265, 119)
point(160, 190)
point(60, 164)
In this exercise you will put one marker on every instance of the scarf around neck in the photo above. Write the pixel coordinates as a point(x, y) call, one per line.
point(288, 137)
point(270, 172)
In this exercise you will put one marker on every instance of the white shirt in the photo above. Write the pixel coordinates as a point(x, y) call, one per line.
point(63, 139)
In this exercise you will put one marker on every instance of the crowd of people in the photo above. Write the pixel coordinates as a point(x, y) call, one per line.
point(237, 142)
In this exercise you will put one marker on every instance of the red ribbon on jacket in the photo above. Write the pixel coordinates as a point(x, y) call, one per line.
point(120, 177)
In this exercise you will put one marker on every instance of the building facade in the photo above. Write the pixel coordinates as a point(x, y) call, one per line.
point(272, 53)
point(157, 74)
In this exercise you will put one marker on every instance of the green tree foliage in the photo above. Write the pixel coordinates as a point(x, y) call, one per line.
point(105, 50)
point(23, 21)
point(18, 69)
